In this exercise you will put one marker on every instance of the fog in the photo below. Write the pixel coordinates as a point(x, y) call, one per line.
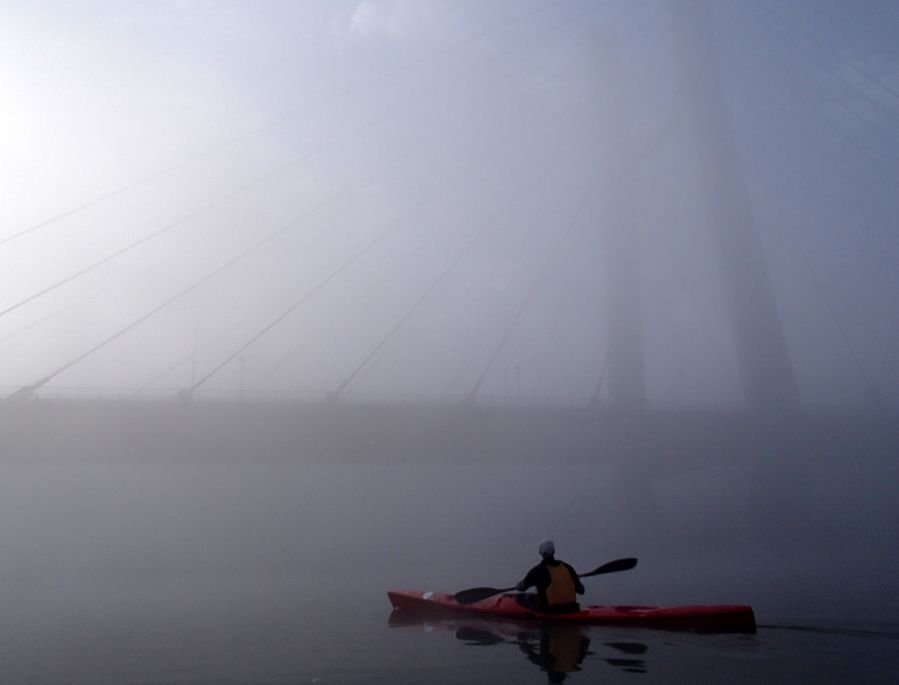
point(379, 294)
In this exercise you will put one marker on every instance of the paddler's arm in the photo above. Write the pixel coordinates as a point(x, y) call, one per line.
point(530, 580)
point(578, 585)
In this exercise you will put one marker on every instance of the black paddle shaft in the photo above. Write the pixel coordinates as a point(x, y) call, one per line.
point(476, 594)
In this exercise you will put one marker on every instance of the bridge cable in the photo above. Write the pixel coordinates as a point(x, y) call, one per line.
point(277, 171)
point(281, 121)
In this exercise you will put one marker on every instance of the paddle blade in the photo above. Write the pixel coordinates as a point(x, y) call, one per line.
point(476, 594)
point(612, 567)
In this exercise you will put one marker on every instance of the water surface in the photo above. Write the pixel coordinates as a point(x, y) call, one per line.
point(211, 574)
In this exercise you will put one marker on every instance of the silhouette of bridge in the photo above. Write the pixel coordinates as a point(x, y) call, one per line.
point(700, 115)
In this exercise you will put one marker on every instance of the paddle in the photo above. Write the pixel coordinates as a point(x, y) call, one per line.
point(476, 594)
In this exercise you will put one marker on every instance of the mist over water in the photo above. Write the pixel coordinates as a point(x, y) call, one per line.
point(303, 302)
point(234, 566)
point(787, 530)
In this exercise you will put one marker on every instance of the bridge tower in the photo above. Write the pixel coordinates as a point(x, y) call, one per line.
point(764, 361)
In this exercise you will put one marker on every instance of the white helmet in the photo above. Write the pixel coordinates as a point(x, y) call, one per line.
point(547, 547)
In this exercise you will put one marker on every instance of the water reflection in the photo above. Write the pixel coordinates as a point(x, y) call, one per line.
point(556, 649)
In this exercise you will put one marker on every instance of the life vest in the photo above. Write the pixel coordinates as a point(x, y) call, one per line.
point(561, 588)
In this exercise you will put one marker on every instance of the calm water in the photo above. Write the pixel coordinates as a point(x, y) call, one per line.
point(212, 575)
point(276, 630)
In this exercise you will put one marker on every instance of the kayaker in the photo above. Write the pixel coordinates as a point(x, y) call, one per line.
point(557, 583)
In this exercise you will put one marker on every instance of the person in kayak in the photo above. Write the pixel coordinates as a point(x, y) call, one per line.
point(557, 583)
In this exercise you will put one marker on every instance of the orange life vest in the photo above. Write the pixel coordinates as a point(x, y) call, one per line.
point(561, 588)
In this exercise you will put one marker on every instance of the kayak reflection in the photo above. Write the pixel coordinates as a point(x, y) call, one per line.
point(556, 649)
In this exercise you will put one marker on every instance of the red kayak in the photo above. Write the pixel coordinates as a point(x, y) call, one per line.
point(726, 618)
